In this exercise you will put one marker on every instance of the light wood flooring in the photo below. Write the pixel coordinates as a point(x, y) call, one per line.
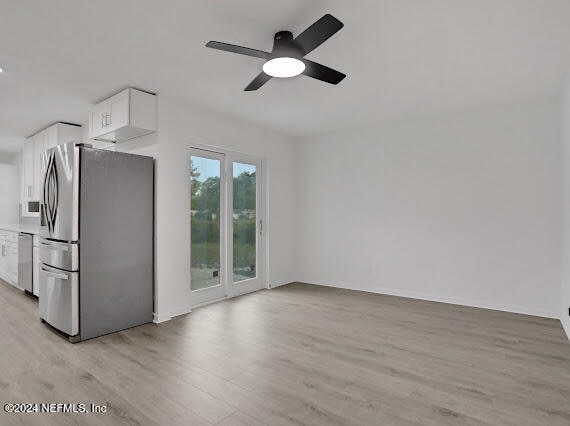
point(295, 355)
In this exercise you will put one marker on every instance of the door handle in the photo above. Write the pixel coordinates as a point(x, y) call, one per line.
point(54, 247)
point(44, 210)
point(54, 274)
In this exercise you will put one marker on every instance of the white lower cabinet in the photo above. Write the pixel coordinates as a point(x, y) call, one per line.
point(9, 257)
point(36, 267)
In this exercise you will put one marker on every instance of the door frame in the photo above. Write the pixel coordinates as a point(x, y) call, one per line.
point(229, 289)
point(247, 286)
point(210, 294)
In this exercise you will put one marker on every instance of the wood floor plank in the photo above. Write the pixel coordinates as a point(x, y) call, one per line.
point(298, 354)
point(240, 419)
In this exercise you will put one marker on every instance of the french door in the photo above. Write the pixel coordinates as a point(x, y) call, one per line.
point(226, 225)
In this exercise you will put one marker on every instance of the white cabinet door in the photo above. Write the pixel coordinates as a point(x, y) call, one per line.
point(51, 136)
point(9, 257)
point(36, 271)
point(47, 139)
point(97, 120)
point(65, 133)
point(28, 165)
point(126, 115)
point(27, 177)
point(12, 254)
point(118, 108)
point(110, 115)
point(40, 145)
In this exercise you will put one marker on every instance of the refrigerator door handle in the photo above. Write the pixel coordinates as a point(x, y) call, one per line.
point(51, 193)
point(44, 212)
point(54, 274)
point(46, 194)
point(55, 247)
point(55, 194)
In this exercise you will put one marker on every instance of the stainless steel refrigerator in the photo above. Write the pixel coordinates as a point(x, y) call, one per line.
point(96, 252)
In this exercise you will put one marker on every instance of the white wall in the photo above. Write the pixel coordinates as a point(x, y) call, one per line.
point(464, 208)
point(9, 190)
point(180, 127)
point(565, 288)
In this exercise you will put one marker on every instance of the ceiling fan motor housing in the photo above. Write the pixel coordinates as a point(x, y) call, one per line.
point(284, 46)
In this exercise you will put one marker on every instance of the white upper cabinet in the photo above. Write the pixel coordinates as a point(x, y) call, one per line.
point(32, 165)
point(97, 120)
point(28, 169)
point(127, 115)
point(40, 145)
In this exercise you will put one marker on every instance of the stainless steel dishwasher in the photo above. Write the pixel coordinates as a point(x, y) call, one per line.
point(25, 264)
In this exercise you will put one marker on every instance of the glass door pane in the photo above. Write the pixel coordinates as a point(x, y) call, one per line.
point(205, 232)
point(244, 220)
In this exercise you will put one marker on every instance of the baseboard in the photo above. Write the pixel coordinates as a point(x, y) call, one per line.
point(275, 285)
point(157, 319)
point(445, 299)
point(167, 316)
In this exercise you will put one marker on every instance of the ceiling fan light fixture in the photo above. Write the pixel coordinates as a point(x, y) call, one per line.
point(283, 67)
point(287, 58)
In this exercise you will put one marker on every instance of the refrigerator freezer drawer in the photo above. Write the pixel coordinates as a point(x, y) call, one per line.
point(59, 299)
point(60, 255)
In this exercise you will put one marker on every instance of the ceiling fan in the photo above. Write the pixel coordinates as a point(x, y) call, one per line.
point(287, 59)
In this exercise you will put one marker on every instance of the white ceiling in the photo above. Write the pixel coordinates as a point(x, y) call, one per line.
point(403, 58)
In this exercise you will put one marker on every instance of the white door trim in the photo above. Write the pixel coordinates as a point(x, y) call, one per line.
point(257, 283)
point(204, 295)
point(228, 289)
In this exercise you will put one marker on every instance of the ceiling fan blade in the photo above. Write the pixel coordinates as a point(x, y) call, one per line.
point(318, 33)
point(321, 72)
point(257, 82)
point(237, 49)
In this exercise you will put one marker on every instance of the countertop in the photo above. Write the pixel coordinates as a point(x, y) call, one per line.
point(20, 228)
